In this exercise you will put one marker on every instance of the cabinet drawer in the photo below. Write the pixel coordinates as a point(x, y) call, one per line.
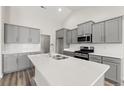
point(95, 57)
point(68, 53)
point(110, 59)
point(95, 60)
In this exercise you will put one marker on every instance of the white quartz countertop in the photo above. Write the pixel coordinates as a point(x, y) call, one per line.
point(69, 49)
point(70, 71)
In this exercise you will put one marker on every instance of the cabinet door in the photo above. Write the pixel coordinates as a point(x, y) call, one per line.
point(60, 33)
point(80, 29)
point(10, 63)
point(23, 62)
point(87, 28)
point(112, 72)
point(69, 37)
point(10, 33)
point(98, 32)
point(74, 36)
point(34, 36)
point(113, 30)
point(23, 35)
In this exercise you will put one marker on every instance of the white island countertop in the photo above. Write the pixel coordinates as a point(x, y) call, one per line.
point(70, 71)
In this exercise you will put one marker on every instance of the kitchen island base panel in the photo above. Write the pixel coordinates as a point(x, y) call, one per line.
point(40, 80)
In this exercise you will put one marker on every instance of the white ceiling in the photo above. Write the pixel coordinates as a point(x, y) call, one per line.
point(75, 8)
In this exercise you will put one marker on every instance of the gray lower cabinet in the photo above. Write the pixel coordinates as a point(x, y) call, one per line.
point(10, 63)
point(95, 58)
point(68, 53)
point(11, 33)
point(98, 32)
point(23, 61)
point(74, 36)
point(113, 30)
point(16, 62)
point(69, 37)
point(114, 73)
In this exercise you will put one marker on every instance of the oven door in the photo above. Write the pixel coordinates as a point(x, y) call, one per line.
point(82, 56)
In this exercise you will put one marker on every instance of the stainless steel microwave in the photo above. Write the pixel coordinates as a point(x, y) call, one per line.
point(85, 38)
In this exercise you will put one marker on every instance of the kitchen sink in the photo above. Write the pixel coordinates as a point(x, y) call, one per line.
point(59, 57)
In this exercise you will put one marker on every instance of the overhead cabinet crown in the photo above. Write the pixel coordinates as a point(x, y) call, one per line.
point(21, 34)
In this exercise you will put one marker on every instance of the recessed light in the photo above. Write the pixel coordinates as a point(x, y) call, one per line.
point(59, 9)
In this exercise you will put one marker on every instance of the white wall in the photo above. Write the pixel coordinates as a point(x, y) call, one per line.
point(47, 20)
point(1, 41)
point(97, 14)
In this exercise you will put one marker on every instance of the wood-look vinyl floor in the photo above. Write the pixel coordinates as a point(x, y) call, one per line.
point(20, 78)
point(25, 78)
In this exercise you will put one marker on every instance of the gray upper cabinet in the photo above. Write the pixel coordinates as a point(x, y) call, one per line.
point(11, 33)
point(69, 37)
point(74, 36)
point(113, 30)
point(85, 28)
point(60, 33)
point(80, 29)
point(23, 35)
point(34, 36)
point(98, 32)
point(10, 63)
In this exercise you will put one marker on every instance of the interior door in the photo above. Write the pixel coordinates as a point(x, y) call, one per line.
point(45, 43)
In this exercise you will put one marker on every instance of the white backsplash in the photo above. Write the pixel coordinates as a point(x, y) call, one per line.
point(102, 48)
point(20, 48)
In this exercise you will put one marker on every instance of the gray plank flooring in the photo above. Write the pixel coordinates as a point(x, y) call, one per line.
point(20, 78)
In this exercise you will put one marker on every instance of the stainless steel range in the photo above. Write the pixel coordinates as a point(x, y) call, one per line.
point(83, 53)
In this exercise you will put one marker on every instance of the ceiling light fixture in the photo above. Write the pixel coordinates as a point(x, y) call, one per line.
point(60, 9)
